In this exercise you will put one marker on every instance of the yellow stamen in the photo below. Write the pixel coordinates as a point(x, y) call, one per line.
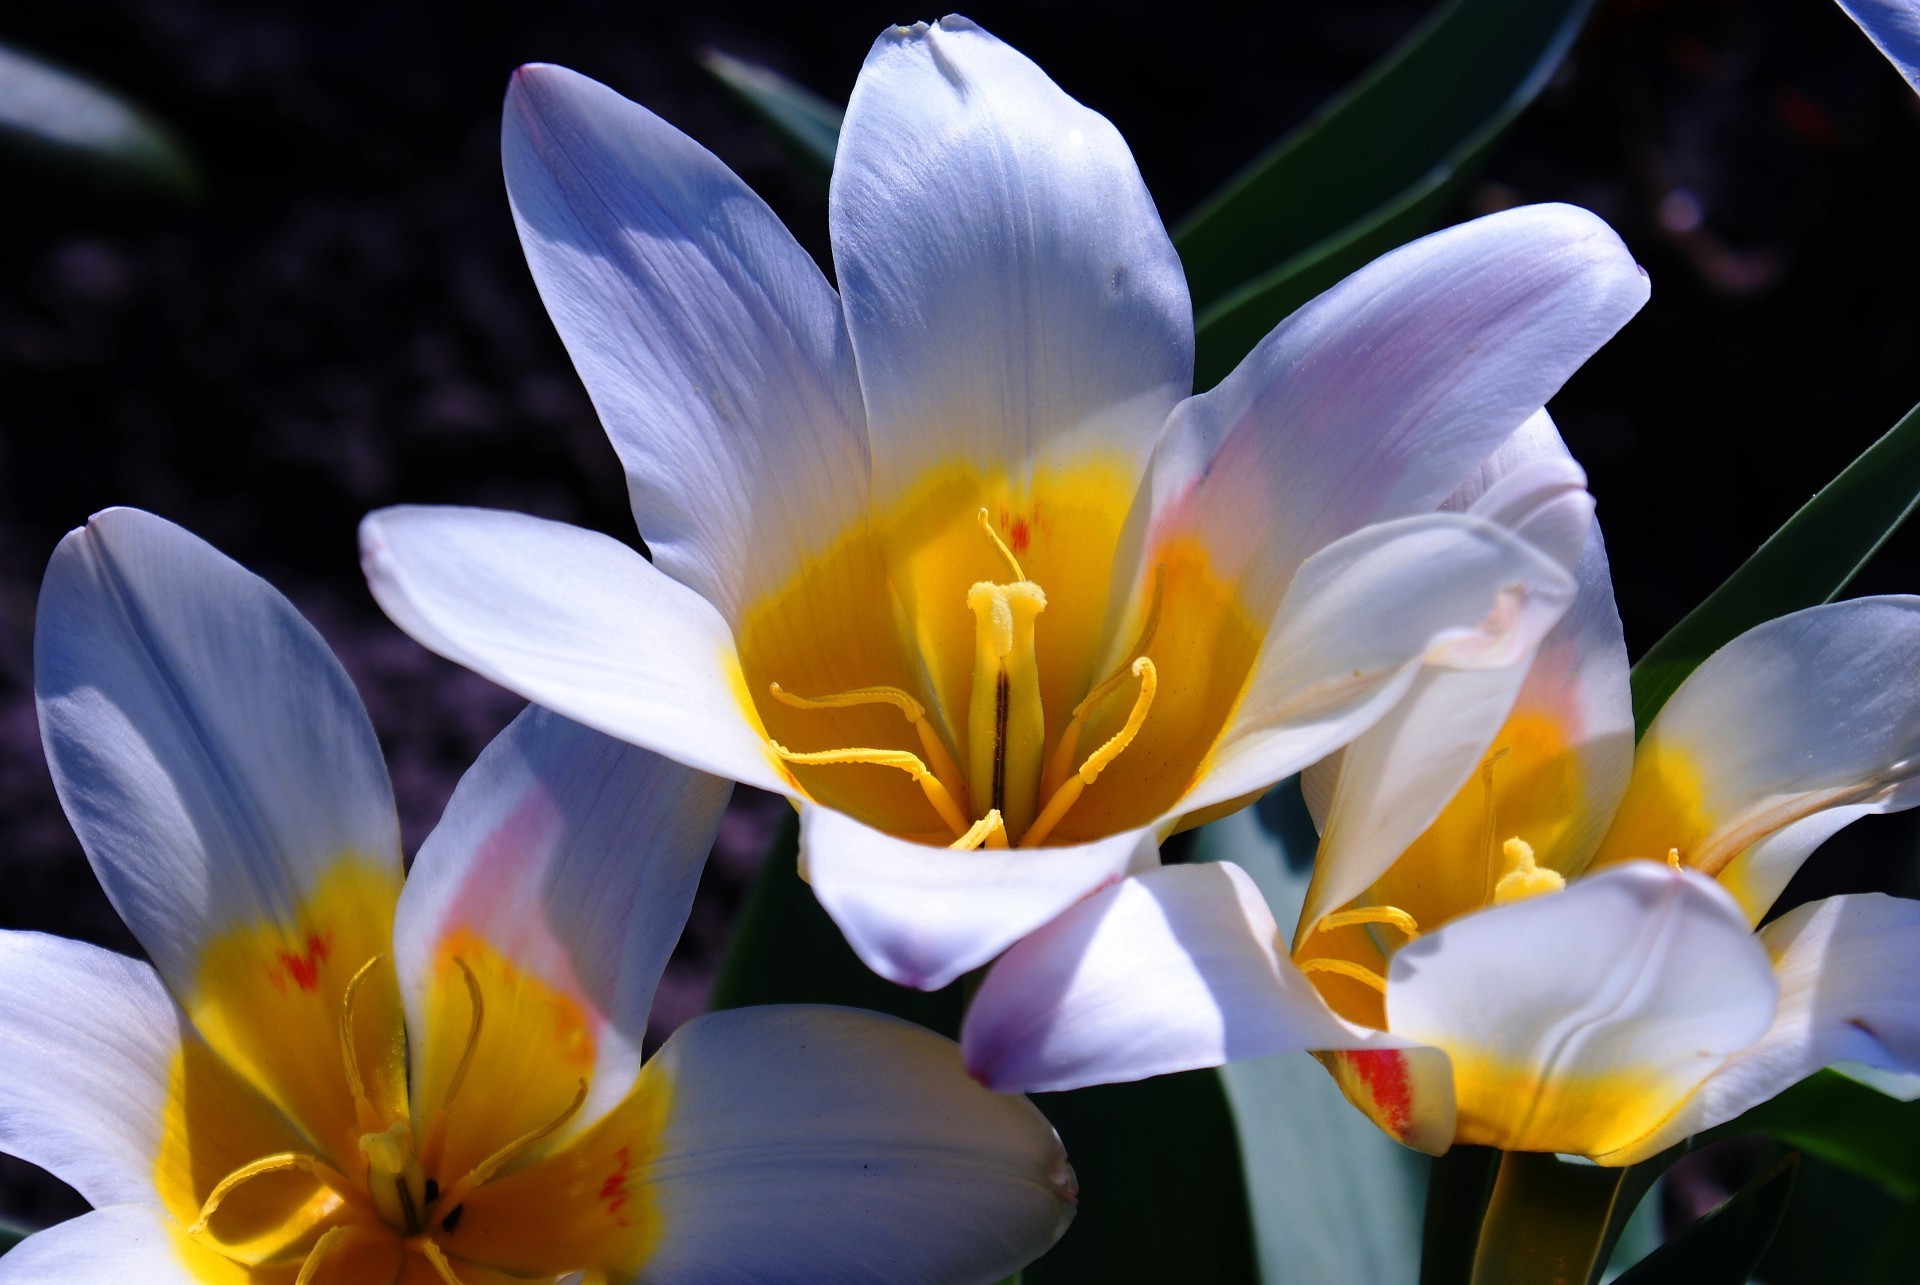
point(1392, 916)
point(1345, 968)
point(436, 1258)
point(1070, 791)
point(1673, 857)
point(942, 762)
point(331, 1240)
point(986, 524)
point(1523, 877)
point(280, 1162)
point(453, 1196)
point(1060, 766)
point(436, 1137)
point(989, 830)
point(929, 784)
point(364, 1115)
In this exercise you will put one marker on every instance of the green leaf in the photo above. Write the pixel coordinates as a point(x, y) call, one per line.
point(67, 141)
point(12, 1233)
point(805, 123)
point(1158, 1162)
point(1333, 1197)
point(1848, 1124)
point(1551, 1219)
point(1723, 1247)
point(1806, 562)
point(1372, 168)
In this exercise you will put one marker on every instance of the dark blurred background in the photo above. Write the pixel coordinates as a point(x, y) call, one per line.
point(343, 320)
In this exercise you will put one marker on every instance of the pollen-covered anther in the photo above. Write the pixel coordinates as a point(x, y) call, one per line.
point(280, 1162)
point(1392, 916)
point(937, 794)
point(1521, 876)
point(331, 1242)
point(1060, 766)
point(454, 1196)
point(364, 1114)
point(1096, 762)
point(989, 831)
point(1345, 968)
point(940, 761)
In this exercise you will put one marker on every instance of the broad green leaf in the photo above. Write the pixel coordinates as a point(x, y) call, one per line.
point(1846, 1123)
point(1806, 562)
point(1458, 1190)
point(1333, 1197)
point(805, 123)
point(1372, 168)
point(1723, 1247)
point(1898, 1250)
point(66, 140)
point(1159, 1167)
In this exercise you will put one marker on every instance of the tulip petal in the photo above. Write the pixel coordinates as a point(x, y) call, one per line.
point(86, 1040)
point(1560, 732)
point(711, 344)
point(559, 878)
point(1174, 969)
point(1013, 298)
point(117, 1243)
point(1849, 974)
point(922, 915)
point(1814, 713)
point(1578, 1020)
point(1894, 28)
point(1378, 399)
point(575, 621)
point(1358, 623)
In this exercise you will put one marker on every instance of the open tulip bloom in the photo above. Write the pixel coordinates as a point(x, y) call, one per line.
point(329, 1076)
point(1564, 959)
point(951, 558)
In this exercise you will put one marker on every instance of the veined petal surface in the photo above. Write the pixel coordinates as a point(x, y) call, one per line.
point(1894, 28)
point(575, 621)
point(560, 876)
point(821, 1144)
point(711, 344)
point(115, 1243)
point(1578, 1020)
point(923, 915)
point(1814, 711)
point(1377, 399)
point(1174, 969)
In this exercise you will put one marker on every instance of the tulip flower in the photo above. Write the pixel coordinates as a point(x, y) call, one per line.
point(1564, 959)
point(329, 1074)
point(952, 558)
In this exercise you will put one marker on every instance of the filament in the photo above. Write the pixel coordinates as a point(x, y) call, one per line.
point(930, 785)
point(989, 830)
point(1097, 762)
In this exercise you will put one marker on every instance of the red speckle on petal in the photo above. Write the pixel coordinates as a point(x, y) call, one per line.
point(613, 1191)
point(1020, 536)
point(1383, 1074)
point(304, 968)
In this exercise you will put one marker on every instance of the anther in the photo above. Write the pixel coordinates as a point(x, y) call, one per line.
point(937, 794)
point(1523, 877)
point(1060, 766)
point(989, 830)
point(331, 1241)
point(363, 1111)
point(280, 1162)
point(437, 1258)
point(1013, 563)
point(1673, 857)
point(942, 762)
point(1392, 916)
point(1345, 968)
point(1070, 791)
point(457, 1194)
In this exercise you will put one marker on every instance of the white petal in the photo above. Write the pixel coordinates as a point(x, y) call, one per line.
point(1175, 969)
point(1576, 1019)
point(821, 1144)
point(1394, 780)
point(572, 620)
point(87, 1038)
point(1849, 973)
point(1358, 623)
point(711, 344)
point(1377, 399)
point(1894, 28)
point(115, 1244)
point(1010, 290)
point(574, 857)
point(922, 915)
point(213, 756)
point(1813, 711)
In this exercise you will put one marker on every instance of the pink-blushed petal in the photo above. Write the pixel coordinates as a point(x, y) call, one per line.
point(1577, 1020)
point(711, 344)
point(1894, 28)
point(1814, 712)
point(1563, 725)
point(824, 1144)
point(123, 1243)
point(212, 755)
point(1849, 974)
point(573, 857)
point(923, 915)
point(1378, 399)
point(1013, 298)
point(87, 1038)
point(1174, 969)
point(1358, 624)
point(575, 621)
